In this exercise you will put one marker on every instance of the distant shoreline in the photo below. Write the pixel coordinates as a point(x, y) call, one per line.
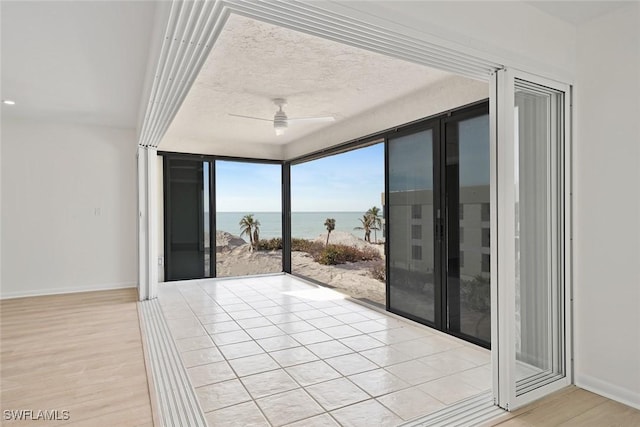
point(306, 225)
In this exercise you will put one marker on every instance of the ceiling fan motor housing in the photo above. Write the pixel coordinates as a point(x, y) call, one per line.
point(280, 120)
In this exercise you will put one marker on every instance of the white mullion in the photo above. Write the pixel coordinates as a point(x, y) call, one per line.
point(505, 250)
point(552, 213)
point(567, 231)
point(152, 221)
point(142, 225)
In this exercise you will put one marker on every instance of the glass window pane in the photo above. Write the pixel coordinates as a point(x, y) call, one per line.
point(337, 222)
point(248, 218)
point(410, 202)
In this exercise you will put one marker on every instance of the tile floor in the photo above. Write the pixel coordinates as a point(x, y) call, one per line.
point(276, 351)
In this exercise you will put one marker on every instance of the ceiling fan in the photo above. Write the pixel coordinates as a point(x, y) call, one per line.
point(280, 120)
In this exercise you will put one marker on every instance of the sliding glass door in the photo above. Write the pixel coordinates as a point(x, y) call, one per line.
point(467, 200)
point(534, 256)
point(184, 228)
point(221, 217)
point(439, 233)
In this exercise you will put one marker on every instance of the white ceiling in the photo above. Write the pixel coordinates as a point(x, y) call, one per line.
point(75, 61)
point(253, 62)
point(576, 12)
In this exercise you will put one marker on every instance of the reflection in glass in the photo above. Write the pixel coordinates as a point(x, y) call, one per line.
point(410, 204)
point(184, 233)
point(468, 202)
point(538, 251)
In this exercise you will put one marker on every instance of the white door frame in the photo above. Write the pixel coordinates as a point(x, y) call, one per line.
point(504, 139)
point(147, 223)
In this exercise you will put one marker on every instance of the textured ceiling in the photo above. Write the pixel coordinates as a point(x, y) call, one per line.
point(253, 62)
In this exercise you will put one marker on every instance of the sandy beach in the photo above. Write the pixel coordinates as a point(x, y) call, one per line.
point(235, 258)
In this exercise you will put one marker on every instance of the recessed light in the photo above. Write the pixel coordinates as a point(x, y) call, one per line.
point(8, 102)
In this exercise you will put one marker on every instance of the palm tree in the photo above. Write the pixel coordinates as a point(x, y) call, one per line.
point(246, 227)
point(330, 223)
point(367, 223)
point(256, 233)
point(374, 213)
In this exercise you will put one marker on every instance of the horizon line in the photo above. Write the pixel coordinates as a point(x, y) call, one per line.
point(358, 211)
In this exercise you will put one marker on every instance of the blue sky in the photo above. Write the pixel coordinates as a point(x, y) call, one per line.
point(248, 187)
point(351, 181)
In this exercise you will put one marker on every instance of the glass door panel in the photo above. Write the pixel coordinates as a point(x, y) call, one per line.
point(539, 342)
point(467, 178)
point(533, 260)
point(184, 219)
point(410, 204)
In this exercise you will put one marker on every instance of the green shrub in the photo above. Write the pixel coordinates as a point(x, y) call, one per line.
point(379, 271)
point(307, 246)
point(334, 254)
point(301, 245)
point(270, 245)
point(331, 255)
point(340, 254)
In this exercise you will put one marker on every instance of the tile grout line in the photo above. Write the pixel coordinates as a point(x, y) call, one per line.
point(324, 359)
point(257, 297)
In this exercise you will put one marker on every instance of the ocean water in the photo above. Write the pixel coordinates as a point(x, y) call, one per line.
point(306, 225)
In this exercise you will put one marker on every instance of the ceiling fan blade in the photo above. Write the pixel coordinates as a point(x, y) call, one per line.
point(297, 120)
point(249, 117)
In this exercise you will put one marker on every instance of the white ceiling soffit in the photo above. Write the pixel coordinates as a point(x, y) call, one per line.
point(254, 62)
point(193, 28)
point(73, 61)
point(577, 12)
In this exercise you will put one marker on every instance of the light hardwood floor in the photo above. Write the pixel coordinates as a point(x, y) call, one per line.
point(573, 407)
point(78, 352)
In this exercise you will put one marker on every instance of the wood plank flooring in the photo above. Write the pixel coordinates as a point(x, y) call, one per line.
point(80, 353)
point(573, 407)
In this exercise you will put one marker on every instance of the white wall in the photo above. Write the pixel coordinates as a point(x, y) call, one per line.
point(444, 95)
point(512, 33)
point(607, 206)
point(68, 208)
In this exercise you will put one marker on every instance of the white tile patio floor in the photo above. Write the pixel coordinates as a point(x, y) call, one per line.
point(275, 350)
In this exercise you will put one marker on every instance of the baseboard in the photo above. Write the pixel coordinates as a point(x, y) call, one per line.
point(67, 290)
point(608, 390)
